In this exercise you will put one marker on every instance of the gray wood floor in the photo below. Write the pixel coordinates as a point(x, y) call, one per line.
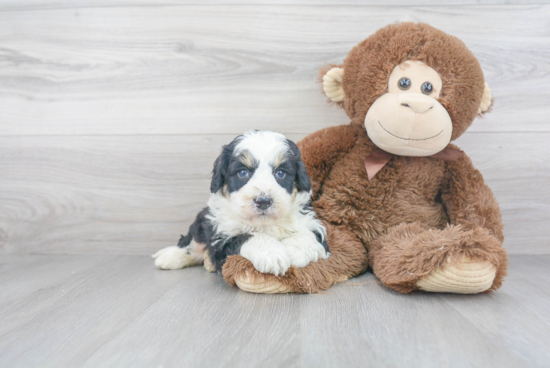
point(119, 311)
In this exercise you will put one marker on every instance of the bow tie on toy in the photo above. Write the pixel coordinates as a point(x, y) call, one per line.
point(378, 158)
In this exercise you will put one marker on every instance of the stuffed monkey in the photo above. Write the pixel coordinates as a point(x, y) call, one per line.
point(392, 192)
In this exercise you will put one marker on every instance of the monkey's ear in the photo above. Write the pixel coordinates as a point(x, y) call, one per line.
point(332, 84)
point(486, 100)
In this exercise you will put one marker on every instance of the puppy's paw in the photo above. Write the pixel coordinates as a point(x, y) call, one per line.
point(173, 258)
point(266, 254)
point(300, 256)
point(276, 262)
point(304, 248)
point(323, 254)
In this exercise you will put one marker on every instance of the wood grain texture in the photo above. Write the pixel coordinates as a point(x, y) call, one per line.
point(362, 323)
point(86, 307)
point(136, 194)
point(224, 327)
point(119, 311)
point(527, 325)
point(76, 321)
point(111, 115)
point(516, 167)
point(24, 5)
point(226, 69)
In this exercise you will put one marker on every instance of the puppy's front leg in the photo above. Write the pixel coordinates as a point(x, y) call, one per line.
point(267, 254)
point(304, 247)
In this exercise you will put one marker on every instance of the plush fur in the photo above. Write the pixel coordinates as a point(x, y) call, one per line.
point(259, 208)
point(418, 213)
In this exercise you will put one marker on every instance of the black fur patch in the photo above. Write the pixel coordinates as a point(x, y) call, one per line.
point(289, 168)
point(227, 167)
point(321, 240)
point(221, 166)
point(233, 180)
point(303, 183)
point(222, 247)
point(202, 231)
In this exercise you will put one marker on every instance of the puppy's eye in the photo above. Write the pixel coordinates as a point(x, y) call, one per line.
point(427, 88)
point(404, 83)
point(243, 173)
point(280, 174)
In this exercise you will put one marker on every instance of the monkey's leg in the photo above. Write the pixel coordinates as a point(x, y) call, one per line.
point(453, 260)
point(348, 258)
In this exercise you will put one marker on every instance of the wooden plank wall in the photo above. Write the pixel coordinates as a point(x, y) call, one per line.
point(112, 112)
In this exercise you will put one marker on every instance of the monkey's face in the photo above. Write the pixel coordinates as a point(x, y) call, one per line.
point(408, 120)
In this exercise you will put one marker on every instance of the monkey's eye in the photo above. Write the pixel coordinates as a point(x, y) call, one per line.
point(427, 88)
point(243, 173)
point(280, 174)
point(404, 83)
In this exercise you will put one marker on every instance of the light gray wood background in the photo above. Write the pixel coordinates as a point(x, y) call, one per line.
point(112, 112)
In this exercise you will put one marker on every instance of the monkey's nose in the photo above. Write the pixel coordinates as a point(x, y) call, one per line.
point(263, 203)
point(419, 103)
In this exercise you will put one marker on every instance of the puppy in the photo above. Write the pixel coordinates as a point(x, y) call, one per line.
point(258, 208)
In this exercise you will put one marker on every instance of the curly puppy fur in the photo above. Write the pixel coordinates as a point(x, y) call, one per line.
point(417, 212)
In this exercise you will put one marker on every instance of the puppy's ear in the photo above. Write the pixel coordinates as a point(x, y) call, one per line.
point(219, 173)
point(302, 181)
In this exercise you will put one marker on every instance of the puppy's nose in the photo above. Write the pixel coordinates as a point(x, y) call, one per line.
point(263, 203)
point(419, 103)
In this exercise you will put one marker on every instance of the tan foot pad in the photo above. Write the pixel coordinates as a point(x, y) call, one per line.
point(208, 263)
point(260, 285)
point(464, 277)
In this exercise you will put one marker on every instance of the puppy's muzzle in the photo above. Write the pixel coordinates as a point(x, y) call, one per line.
point(263, 203)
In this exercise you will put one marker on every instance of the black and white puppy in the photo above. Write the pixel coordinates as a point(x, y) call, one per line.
point(258, 208)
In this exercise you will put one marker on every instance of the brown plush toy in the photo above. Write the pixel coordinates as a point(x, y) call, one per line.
point(392, 192)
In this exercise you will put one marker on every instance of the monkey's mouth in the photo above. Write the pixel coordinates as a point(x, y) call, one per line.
point(407, 139)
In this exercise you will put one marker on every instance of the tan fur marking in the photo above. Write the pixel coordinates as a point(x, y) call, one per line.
point(208, 263)
point(247, 159)
point(279, 159)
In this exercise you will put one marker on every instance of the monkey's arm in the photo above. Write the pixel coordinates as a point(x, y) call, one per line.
point(321, 150)
point(468, 200)
point(475, 215)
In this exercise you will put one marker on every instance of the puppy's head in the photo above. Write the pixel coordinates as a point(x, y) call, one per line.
point(260, 173)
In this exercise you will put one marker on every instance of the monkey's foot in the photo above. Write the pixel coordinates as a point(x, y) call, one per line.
point(467, 276)
point(239, 271)
point(261, 285)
